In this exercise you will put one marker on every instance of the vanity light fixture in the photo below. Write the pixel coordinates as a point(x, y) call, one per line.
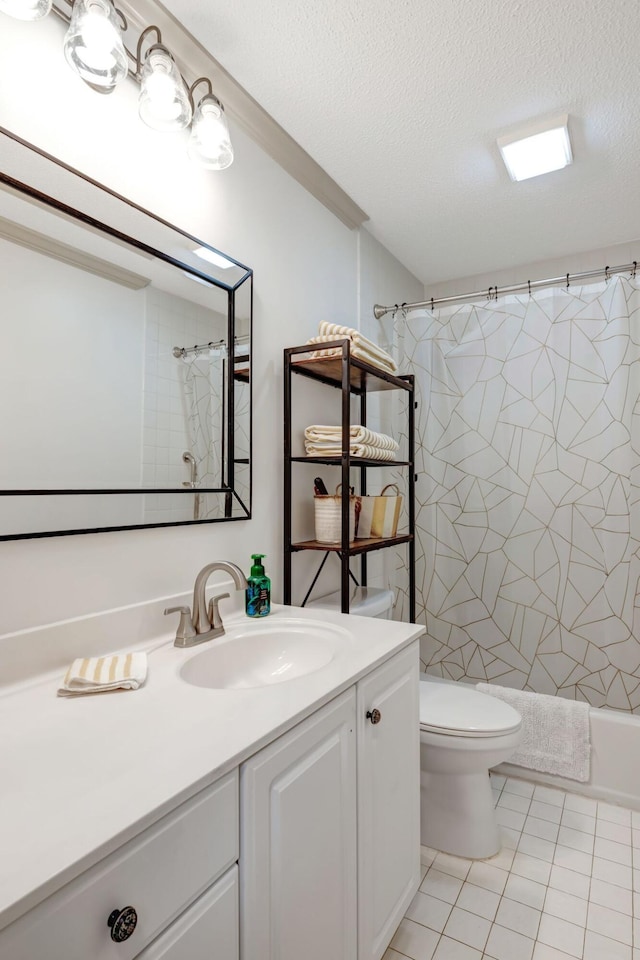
point(540, 148)
point(164, 102)
point(26, 9)
point(93, 44)
point(209, 142)
point(94, 48)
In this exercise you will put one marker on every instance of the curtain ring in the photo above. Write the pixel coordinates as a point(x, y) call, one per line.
point(568, 284)
point(529, 285)
point(607, 275)
point(633, 272)
point(431, 304)
point(495, 293)
point(489, 293)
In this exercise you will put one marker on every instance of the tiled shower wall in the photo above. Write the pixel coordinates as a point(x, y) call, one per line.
point(527, 455)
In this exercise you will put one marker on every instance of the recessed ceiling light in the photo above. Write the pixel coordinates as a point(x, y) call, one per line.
point(215, 258)
point(538, 149)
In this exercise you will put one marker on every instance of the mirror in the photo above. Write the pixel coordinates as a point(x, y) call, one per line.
point(126, 361)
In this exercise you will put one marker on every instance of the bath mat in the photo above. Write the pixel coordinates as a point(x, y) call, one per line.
point(556, 735)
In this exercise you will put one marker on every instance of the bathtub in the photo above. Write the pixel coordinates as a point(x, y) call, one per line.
point(615, 759)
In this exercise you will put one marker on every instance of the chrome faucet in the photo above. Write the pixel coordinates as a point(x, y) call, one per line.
point(205, 625)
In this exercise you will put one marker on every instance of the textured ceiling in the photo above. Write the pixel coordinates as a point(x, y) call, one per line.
point(401, 103)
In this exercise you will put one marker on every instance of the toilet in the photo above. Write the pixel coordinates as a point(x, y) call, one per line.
point(363, 602)
point(463, 733)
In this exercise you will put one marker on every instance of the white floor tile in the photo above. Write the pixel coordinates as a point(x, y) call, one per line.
point(519, 917)
point(561, 934)
point(576, 839)
point(536, 847)
point(427, 855)
point(415, 941)
point(597, 947)
point(510, 818)
point(586, 805)
point(510, 838)
point(497, 780)
point(545, 811)
point(429, 911)
point(636, 880)
point(607, 811)
point(453, 866)
point(613, 831)
point(566, 906)
point(609, 895)
point(478, 900)
point(578, 821)
point(549, 795)
point(514, 801)
point(392, 955)
point(468, 928)
point(544, 829)
point(569, 881)
point(524, 788)
point(491, 878)
point(531, 867)
point(610, 850)
point(612, 872)
point(503, 859)
point(573, 859)
point(505, 944)
point(449, 949)
point(610, 923)
point(525, 891)
point(441, 885)
point(544, 952)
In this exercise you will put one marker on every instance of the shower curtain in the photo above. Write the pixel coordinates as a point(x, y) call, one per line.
point(527, 449)
point(203, 383)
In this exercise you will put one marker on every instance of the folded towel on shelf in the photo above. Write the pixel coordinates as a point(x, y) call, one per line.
point(361, 346)
point(326, 434)
point(126, 671)
point(556, 735)
point(362, 450)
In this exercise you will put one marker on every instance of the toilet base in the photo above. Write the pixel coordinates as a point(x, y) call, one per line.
point(457, 814)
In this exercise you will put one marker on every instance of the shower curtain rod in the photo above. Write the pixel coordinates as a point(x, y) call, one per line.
point(212, 345)
point(492, 293)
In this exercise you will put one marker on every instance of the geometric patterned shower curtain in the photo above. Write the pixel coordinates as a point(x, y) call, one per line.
point(203, 384)
point(528, 454)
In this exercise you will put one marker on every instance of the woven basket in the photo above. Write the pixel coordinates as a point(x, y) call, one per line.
point(328, 516)
point(378, 516)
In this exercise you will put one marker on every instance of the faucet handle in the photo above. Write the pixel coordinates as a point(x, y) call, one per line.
point(214, 614)
point(186, 629)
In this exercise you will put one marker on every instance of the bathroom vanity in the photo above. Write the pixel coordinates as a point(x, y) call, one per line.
point(211, 821)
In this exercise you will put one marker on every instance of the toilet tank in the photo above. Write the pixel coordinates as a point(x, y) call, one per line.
point(363, 602)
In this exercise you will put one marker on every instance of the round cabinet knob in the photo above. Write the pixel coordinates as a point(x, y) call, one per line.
point(374, 715)
point(122, 923)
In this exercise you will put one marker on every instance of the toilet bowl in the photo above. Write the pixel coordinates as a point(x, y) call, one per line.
point(463, 733)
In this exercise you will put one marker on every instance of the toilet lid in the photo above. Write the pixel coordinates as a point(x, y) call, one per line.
point(459, 711)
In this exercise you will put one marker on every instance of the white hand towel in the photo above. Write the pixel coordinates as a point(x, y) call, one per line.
point(362, 450)
point(555, 732)
point(332, 436)
point(125, 671)
point(376, 359)
point(326, 329)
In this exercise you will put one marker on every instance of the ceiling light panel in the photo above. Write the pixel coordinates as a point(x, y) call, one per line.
point(538, 149)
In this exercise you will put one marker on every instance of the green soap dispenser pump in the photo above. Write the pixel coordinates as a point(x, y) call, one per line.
point(258, 593)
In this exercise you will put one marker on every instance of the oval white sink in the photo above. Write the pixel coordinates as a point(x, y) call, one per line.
point(264, 653)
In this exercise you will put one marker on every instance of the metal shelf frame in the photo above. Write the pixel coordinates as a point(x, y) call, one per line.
point(352, 377)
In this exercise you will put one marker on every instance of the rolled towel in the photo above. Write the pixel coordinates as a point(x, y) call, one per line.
point(331, 435)
point(556, 736)
point(388, 365)
point(126, 671)
point(362, 450)
point(326, 329)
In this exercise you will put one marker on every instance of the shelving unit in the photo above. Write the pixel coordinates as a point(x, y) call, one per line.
point(352, 377)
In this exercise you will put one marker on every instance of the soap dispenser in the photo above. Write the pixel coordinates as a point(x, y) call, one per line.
point(258, 593)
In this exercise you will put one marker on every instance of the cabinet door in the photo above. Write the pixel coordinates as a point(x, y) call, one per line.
point(208, 930)
point(388, 800)
point(298, 842)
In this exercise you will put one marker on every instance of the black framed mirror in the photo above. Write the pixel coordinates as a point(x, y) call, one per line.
point(126, 361)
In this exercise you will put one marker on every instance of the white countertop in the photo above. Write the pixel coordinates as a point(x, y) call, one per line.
point(80, 776)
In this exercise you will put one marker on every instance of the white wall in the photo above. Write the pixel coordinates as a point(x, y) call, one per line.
point(308, 267)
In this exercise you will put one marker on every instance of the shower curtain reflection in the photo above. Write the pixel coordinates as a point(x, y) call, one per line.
point(527, 452)
point(203, 380)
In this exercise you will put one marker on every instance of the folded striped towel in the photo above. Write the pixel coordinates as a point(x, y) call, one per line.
point(125, 671)
point(362, 450)
point(362, 347)
point(326, 434)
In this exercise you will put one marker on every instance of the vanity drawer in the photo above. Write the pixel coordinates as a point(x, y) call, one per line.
point(159, 874)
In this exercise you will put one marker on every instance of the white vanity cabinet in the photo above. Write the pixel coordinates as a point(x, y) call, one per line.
point(330, 825)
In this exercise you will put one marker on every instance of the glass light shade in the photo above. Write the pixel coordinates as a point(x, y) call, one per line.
point(210, 143)
point(93, 44)
point(26, 9)
point(164, 101)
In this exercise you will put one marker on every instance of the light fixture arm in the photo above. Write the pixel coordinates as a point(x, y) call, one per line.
point(143, 36)
point(195, 83)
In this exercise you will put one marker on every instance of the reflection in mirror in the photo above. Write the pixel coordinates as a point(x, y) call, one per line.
point(126, 386)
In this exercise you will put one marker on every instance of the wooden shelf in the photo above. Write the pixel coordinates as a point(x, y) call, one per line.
point(354, 462)
point(362, 376)
point(355, 546)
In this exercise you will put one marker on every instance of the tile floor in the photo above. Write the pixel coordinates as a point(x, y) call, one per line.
point(563, 886)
